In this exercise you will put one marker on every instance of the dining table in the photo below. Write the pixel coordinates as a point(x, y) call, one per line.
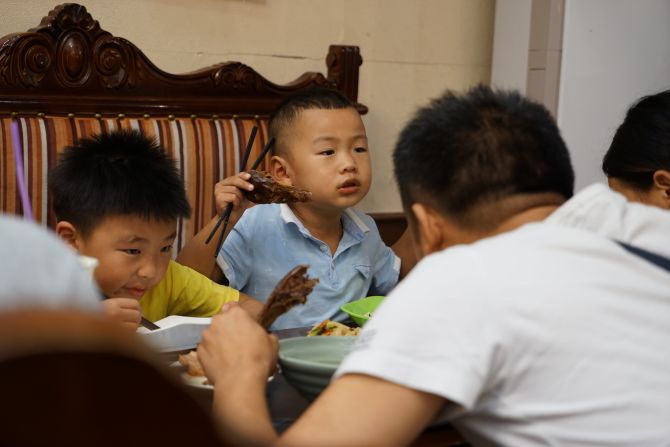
point(286, 405)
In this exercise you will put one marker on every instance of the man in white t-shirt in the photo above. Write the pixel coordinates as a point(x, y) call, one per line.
point(37, 270)
point(535, 327)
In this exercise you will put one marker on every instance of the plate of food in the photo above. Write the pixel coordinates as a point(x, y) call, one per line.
point(196, 381)
point(329, 328)
point(291, 290)
point(192, 373)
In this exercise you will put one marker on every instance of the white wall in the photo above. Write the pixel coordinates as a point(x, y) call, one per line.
point(614, 51)
point(511, 35)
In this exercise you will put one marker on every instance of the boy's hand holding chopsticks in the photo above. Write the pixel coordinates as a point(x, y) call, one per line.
point(225, 216)
point(230, 191)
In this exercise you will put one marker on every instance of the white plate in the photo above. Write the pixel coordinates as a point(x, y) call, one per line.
point(176, 333)
point(196, 381)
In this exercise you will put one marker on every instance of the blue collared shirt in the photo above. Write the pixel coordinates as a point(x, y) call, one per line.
point(269, 240)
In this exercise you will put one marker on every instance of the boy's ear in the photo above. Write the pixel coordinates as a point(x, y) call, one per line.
point(280, 170)
point(661, 187)
point(68, 234)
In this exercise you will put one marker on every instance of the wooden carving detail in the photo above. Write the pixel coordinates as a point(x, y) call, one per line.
point(236, 76)
point(73, 57)
point(37, 58)
point(71, 30)
point(69, 56)
point(67, 17)
point(114, 63)
point(24, 62)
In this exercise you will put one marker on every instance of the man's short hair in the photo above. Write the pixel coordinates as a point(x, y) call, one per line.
point(288, 110)
point(119, 173)
point(463, 153)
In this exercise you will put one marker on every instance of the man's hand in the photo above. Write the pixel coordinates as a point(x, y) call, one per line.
point(238, 356)
point(124, 310)
point(235, 344)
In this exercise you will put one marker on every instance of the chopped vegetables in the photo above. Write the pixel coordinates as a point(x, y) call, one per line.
point(328, 327)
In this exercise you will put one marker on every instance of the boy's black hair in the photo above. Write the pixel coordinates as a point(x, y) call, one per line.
point(641, 144)
point(463, 154)
point(116, 174)
point(291, 106)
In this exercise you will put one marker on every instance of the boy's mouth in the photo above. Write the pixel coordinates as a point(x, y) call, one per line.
point(134, 292)
point(349, 187)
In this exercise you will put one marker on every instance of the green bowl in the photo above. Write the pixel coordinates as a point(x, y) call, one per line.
point(308, 363)
point(358, 309)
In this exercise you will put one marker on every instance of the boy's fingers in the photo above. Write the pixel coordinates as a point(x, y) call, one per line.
point(233, 196)
point(132, 325)
point(130, 315)
point(237, 182)
point(129, 303)
point(227, 190)
point(227, 306)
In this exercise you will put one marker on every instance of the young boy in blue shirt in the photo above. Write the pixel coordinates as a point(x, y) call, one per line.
point(117, 198)
point(320, 146)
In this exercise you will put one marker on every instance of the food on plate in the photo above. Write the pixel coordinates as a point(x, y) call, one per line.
point(290, 291)
point(267, 190)
point(327, 327)
point(193, 366)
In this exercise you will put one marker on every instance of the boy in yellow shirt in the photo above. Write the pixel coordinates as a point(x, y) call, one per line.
point(117, 198)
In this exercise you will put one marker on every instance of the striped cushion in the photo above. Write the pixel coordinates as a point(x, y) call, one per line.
point(206, 150)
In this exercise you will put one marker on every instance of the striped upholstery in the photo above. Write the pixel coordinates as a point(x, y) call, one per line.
point(206, 151)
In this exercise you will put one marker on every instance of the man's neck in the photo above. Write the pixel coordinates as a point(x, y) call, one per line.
point(519, 210)
point(534, 214)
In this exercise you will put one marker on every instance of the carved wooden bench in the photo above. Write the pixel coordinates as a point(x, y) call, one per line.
point(68, 78)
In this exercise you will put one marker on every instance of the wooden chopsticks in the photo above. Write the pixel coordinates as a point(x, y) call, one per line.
point(226, 214)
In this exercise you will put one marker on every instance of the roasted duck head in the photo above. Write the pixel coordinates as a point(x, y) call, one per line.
point(267, 190)
point(290, 291)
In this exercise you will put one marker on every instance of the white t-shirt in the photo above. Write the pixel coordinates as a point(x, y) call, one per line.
point(551, 334)
point(37, 270)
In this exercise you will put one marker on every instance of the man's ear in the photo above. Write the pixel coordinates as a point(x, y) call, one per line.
point(661, 187)
point(429, 224)
point(68, 234)
point(279, 169)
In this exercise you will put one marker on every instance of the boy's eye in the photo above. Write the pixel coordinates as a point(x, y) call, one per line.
point(361, 149)
point(131, 251)
point(327, 152)
point(166, 249)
